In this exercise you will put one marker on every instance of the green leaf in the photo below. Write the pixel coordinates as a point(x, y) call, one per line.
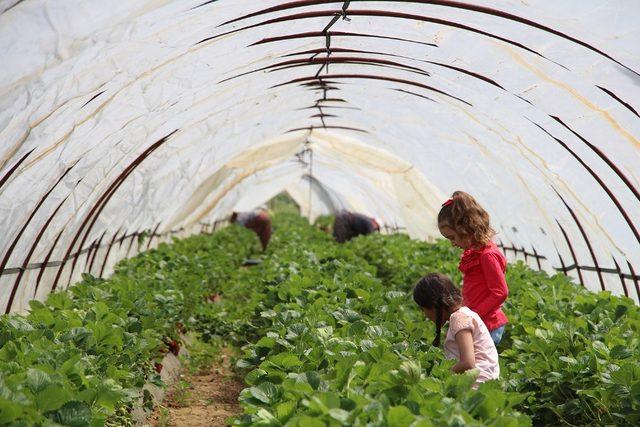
point(80, 336)
point(285, 360)
point(73, 414)
point(9, 352)
point(501, 421)
point(265, 392)
point(285, 410)
point(411, 371)
point(357, 327)
point(339, 414)
point(313, 379)
point(52, 397)
point(307, 421)
point(254, 376)
point(486, 405)
point(9, 411)
point(324, 333)
point(20, 325)
point(627, 375)
point(569, 360)
point(323, 402)
point(621, 310)
point(266, 342)
point(37, 380)
point(621, 352)
point(400, 416)
point(601, 348)
point(108, 395)
point(266, 418)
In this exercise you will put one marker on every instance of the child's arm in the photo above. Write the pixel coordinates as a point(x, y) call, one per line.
point(464, 340)
point(494, 276)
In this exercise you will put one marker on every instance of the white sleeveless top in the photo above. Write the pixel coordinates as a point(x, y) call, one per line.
point(485, 351)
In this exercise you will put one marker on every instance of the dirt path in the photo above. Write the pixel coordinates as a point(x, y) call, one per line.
point(204, 399)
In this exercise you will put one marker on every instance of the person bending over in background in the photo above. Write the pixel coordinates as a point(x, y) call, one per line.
point(348, 225)
point(484, 288)
point(258, 221)
point(468, 340)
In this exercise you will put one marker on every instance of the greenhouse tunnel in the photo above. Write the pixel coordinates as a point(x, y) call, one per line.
point(159, 118)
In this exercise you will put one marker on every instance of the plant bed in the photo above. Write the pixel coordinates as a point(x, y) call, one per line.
point(328, 335)
point(206, 396)
point(83, 357)
point(331, 337)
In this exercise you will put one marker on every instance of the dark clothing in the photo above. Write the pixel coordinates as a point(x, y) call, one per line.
point(348, 225)
point(259, 222)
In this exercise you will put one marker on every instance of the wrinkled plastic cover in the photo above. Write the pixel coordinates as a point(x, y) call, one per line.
point(118, 117)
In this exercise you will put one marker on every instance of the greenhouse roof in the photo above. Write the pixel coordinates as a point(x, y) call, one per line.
point(121, 119)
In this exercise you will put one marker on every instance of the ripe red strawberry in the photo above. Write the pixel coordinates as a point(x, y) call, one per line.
point(158, 367)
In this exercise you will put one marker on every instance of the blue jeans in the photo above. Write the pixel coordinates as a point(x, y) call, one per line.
point(496, 335)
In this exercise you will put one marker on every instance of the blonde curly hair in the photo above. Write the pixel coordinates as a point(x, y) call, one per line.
point(467, 218)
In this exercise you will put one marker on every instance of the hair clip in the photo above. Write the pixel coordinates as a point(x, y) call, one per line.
point(447, 203)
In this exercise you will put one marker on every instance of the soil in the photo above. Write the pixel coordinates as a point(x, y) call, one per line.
point(205, 399)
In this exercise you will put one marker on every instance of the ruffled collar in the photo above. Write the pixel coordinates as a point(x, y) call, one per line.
point(471, 257)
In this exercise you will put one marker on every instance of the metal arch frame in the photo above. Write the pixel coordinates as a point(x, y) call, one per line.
point(326, 33)
point(15, 167)
point(445, 3)
point(380, 13)
point(94, 213)
point(92, 249)
point(337, 14)
point(21, 231)
point(586, 239)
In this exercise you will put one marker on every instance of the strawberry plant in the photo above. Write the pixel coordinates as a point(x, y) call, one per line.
point(329, 336)
point(314, 315)
point(329, 342)
point(82, 357)
point(575, 352)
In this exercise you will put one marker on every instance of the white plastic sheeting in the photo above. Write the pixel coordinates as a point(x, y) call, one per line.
point(120, 117)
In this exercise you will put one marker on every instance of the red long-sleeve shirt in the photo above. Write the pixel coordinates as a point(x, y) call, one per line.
point(484, 287)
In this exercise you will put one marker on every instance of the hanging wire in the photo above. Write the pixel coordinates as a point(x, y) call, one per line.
point(342, 14)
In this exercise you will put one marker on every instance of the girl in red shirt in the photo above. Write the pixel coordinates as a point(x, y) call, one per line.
point(484, 288)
